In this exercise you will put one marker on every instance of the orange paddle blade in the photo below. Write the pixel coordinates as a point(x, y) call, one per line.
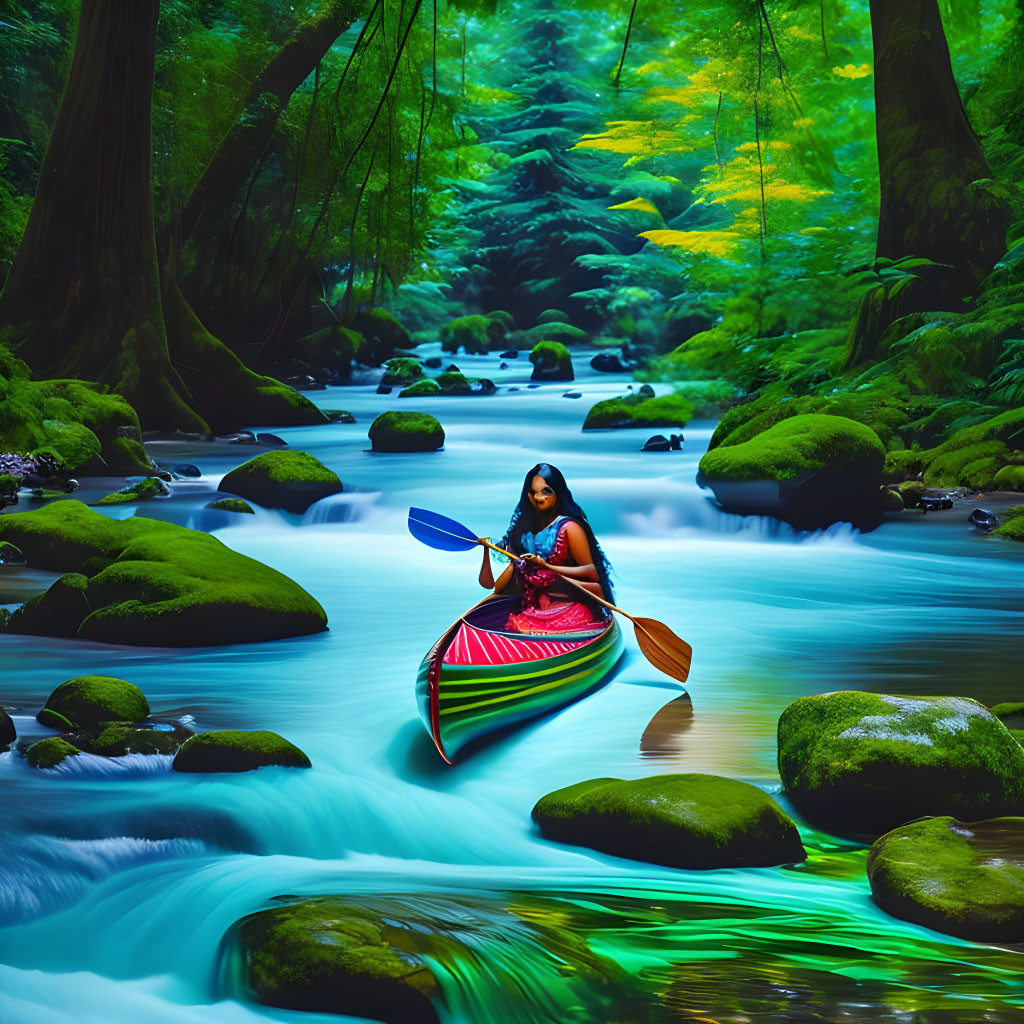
point(662, 648)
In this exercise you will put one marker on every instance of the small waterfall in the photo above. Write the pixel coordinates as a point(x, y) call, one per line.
point(349, 507)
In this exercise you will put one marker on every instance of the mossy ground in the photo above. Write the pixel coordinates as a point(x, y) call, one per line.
point(406, 432)
point(151, 582)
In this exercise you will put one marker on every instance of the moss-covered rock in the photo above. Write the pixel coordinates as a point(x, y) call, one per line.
point(685, 821)
point(8, 734)
point(473, 334)
point(551, 361)
point(57, 611)
point(861, 763)
point(118, 740)
point(382, 333)
point(83, 425)
point(291, 480)
point(332, 348)
point(87, 702)
point(159, 584)
point(962, 879)
point(811, 470)
point(452, 382)
point(552, 316)
point(50, 752)
point(406, 432)
point(420, 389)
point(231, 505)
point(503, 317)
point(641, 409)
point(402, 370)
point(330, 956)
point(236, 751)
point(151, 487)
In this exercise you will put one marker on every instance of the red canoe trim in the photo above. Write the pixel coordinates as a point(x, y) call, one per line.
point(473, 646)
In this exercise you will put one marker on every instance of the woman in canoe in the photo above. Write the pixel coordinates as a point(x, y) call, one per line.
point(553, 539)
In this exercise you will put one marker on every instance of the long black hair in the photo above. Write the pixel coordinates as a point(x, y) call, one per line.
point(526, 519)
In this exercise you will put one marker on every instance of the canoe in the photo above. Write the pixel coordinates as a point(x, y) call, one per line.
point(477, 678)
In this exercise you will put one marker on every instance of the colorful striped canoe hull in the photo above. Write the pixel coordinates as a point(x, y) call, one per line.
point(477, 679)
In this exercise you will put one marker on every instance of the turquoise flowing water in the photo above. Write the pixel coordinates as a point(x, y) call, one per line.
point(119, 880)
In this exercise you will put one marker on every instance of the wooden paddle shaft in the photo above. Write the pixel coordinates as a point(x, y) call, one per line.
point(568, 579)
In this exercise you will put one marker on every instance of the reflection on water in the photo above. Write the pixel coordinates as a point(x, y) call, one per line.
point(667, 730)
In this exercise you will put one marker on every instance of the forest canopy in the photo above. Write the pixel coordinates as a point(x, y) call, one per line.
point(335, 180)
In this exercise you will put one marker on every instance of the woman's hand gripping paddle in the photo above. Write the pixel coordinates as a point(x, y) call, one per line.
point(662, 648)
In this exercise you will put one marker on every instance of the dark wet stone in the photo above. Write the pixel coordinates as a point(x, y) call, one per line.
point(503, 366)
point(10, 554)
point(607, 362)
point(186, 469)
point(433, 363)
point(383, 389)
point(657, 443)
point(573, 394)
point(982, 519)
point(510, 354)
point(8, 734)
point(271, 440)
point(339, 416)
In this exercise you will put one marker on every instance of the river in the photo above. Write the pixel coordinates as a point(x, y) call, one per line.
point(120, 879)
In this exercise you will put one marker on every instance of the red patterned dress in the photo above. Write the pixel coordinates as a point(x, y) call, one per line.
point(544, 612)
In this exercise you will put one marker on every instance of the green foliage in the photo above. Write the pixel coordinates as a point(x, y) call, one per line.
point(473, 334)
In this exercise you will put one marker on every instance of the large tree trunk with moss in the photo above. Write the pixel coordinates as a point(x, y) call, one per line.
point(929, 157)
point(83, 295)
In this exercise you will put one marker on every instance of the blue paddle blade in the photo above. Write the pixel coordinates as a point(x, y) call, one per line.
point(439, 531)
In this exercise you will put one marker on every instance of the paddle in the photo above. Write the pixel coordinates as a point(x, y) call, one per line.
point(662, 648)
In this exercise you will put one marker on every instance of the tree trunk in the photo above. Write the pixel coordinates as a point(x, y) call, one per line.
point(928, 156)
point(83, 296)
point(248, 137)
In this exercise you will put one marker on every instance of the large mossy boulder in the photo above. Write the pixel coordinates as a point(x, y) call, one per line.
point(283, 479)
point(159, 584)
point(50, 752)
point(811, 470)
point(87, 702)
point(861, 763)
point(964, 879)
point(684, 821)
point(327, 956)
point(551, 361)
point(406, 432)
point(57, 611)
point(232, 750)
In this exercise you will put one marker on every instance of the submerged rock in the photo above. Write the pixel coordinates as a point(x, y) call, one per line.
point(608, 362)
point(87, 702)
point(237, 751)
point(158, 584)
point(657, 443)
point(328, 956)
point(50, 752)
point(962, 879)
point(150, 487)
point(291, 480)
point(862, 763)
point(811, 470)
point(684, 821)
point(119, 740)
point(406, 432)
